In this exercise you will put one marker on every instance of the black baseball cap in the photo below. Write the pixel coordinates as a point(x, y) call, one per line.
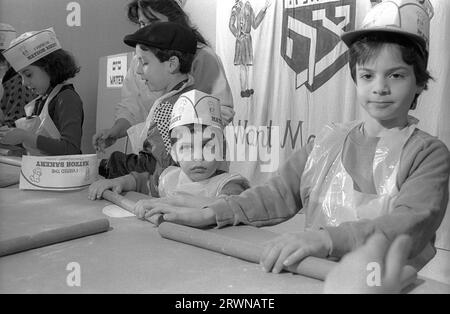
point(164, 35)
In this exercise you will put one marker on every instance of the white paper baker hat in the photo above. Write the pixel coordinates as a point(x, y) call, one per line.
point(30, 47)
point(196, 107)
point(7, 34)
point(410, 18)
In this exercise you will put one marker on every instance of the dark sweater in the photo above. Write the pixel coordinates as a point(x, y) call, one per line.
point(66, 111)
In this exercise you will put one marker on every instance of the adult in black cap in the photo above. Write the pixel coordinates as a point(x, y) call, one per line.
point(137, 100)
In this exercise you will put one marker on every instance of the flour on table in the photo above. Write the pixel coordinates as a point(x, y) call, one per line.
point(115, 211)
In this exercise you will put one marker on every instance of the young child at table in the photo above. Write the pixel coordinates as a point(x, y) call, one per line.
point(54, 121)
point(196, 146)
point(165, 51)
point(137, 100)
point(381, 174)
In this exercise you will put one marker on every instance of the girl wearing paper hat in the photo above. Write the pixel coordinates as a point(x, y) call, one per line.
point(53, 125)
point(380, 174)
point(14, 96)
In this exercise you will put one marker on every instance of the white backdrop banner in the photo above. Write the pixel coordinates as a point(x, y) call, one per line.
point(288, 71)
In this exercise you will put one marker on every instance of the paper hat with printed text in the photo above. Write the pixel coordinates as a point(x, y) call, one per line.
point(196, 107)
point(30, 47)
point(410, 18)
point(7, 34)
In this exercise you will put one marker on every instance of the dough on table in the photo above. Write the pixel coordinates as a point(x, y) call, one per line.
point(115, 211)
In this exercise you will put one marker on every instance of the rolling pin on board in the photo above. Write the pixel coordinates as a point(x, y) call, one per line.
point(52, 236)
point(317, 268)
point(313, 267)
point(119, 200)
point(11, 160)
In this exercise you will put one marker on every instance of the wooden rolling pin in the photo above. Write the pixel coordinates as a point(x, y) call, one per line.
point(57, 235)
point(11, 160)
point(313, 267)
point(119, 200)
point(317, 268)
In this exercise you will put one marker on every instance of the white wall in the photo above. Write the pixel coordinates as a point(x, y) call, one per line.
point(203, 15)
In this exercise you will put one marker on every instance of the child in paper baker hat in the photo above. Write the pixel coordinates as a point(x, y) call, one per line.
point(378, 174)
point(53, 125)
point(197, 141)
point(196, 135)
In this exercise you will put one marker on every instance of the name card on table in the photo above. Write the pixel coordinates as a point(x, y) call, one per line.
point(58, 173)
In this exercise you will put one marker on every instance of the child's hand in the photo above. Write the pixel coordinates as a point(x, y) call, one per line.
point(103, 139)
point(97, 188)
point(12, 136)
point(193, 217)
point(143, 206)
point(291, 248)
point(181, 200)
point(353, 272)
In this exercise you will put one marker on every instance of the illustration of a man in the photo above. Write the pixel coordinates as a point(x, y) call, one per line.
point(242, 20)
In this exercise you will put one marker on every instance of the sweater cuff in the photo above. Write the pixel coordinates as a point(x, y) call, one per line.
point(341, 242)
point(223, 211)
point(42, 143)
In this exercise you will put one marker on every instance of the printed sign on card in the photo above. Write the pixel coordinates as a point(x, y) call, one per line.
point(116, 70)
point(58, 173)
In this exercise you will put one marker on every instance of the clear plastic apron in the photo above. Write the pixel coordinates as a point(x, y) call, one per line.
point(327, 189)
point(42, 124)
point(138, 132)
point(174, 182)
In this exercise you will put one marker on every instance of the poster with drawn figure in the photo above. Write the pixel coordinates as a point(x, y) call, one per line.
point(242, 20)
point(298, 70)
point(116, 70)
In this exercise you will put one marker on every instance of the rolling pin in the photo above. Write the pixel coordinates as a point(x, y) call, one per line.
point(317, 268)
point(313, 267)
point(119, 200)
point(11, 160)
point(53, 236)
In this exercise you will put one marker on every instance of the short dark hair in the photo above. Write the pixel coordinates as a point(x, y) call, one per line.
point(169, 8)
point(368, 46)
point(184, 58)
point(60, 65)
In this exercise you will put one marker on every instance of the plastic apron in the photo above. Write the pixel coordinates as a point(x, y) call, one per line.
point(138, 132)
point(173, 181)
point(42, 124)
point(327, 189)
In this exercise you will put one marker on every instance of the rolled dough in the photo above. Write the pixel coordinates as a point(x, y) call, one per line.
point(115, 211)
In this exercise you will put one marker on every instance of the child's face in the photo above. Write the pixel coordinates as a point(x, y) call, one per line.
point(154, 72)
point(36, 79)
point(386, 86)
point(190, 154)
